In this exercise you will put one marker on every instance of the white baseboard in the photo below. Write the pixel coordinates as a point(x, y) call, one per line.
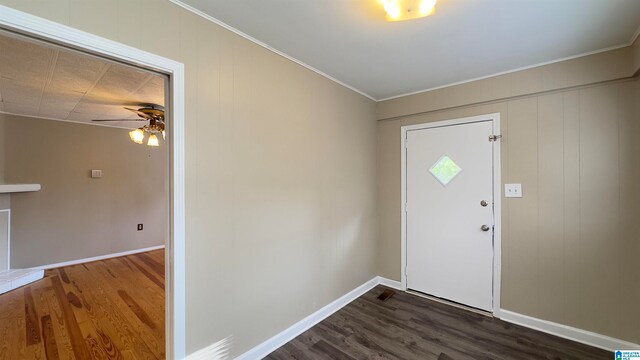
point(96, 258)
point(390, 283)
point(305, 324)
point(15, 278)
point(568, 332)
point(270, 345)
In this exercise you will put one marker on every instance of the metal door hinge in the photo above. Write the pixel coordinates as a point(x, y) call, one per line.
point(405, 207)
point(494, 137)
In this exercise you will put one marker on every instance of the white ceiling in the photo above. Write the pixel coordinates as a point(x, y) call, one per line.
point(57, 83)
point(350, 41)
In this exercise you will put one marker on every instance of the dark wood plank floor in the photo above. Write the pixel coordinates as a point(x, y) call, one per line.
point(411, 327)
point(109, 309)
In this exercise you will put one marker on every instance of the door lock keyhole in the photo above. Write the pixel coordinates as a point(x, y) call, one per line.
point(484, 203)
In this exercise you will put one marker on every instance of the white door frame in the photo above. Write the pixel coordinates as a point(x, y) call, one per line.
point(8, 211)
point(497, 196)
point(37, 27)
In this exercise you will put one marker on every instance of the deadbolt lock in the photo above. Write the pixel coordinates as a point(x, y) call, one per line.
point(485, 228)
point(484, 203)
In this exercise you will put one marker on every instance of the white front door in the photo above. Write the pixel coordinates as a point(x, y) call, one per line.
point(449, 213)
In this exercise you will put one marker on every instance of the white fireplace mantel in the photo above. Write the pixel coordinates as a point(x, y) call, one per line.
point(14, 188)
point(13, 278)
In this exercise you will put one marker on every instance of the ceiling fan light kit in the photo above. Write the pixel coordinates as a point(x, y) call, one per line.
point(154, 114)
point(152, 130)
point(400, 10)
point(153, 140)
point(137, 135)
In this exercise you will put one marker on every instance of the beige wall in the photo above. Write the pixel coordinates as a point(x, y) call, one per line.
point(280, 172)
point(74, 216)
point(636, 56)
point(572, 242)
point(2, 152)
point(281, 177)
point(592, 69)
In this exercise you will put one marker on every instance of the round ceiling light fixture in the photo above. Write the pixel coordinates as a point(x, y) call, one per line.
point(400, 10)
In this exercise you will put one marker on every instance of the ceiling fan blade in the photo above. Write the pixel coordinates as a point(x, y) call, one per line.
point(119, 120)
point(139, 113)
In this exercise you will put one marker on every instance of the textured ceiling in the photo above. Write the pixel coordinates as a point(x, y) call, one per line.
point(57, 83)
point(350, 40)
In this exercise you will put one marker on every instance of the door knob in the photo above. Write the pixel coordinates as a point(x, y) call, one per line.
point(485, 228)
point(484, 203)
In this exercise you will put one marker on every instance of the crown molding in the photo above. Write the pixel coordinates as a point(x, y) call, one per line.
point(616, 47)
point(635, 35)
point(2, 112)
point(309, 67)
point(266, 46)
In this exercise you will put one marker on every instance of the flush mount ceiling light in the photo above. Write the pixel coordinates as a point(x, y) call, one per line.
point(152, 113)
point(399, 10)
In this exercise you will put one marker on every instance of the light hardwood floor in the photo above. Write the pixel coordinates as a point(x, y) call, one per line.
point(109, 309)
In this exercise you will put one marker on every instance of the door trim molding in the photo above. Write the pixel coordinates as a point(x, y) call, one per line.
point(8, 211)
point(497, 192)
point(30, 25)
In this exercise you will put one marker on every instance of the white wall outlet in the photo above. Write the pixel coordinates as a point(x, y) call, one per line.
point(96, 174)
point(513, 190)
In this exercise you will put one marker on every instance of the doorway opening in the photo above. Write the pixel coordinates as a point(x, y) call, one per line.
point(171, 192)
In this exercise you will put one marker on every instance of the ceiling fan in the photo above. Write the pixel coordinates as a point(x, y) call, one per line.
point(152, 113)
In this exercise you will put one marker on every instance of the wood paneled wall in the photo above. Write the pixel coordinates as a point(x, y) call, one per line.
point(581, 71)
point(280, 171)
point(636, 55)
point(569, 244)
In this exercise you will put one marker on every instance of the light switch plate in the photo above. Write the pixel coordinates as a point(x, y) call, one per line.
point(96, 174)
point(513, 190)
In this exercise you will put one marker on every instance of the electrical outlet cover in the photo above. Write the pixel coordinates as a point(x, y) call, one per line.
point(513, 190)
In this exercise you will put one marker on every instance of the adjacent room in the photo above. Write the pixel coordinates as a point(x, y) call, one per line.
point(84, 204)
point(371, 179)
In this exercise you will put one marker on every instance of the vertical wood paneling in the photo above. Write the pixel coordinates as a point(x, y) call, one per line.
point(551, 206)
point(521, 294)
point(128, 12)
point(599, 208)
point(579, 171)
point(581, 71)
point(572, 271)
point(590, 208)
point(389, 247)
point(280, 164)
point(156, 41)
point(551, 269)
point(629, 309)
point(96, 18)
point(503, 109)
